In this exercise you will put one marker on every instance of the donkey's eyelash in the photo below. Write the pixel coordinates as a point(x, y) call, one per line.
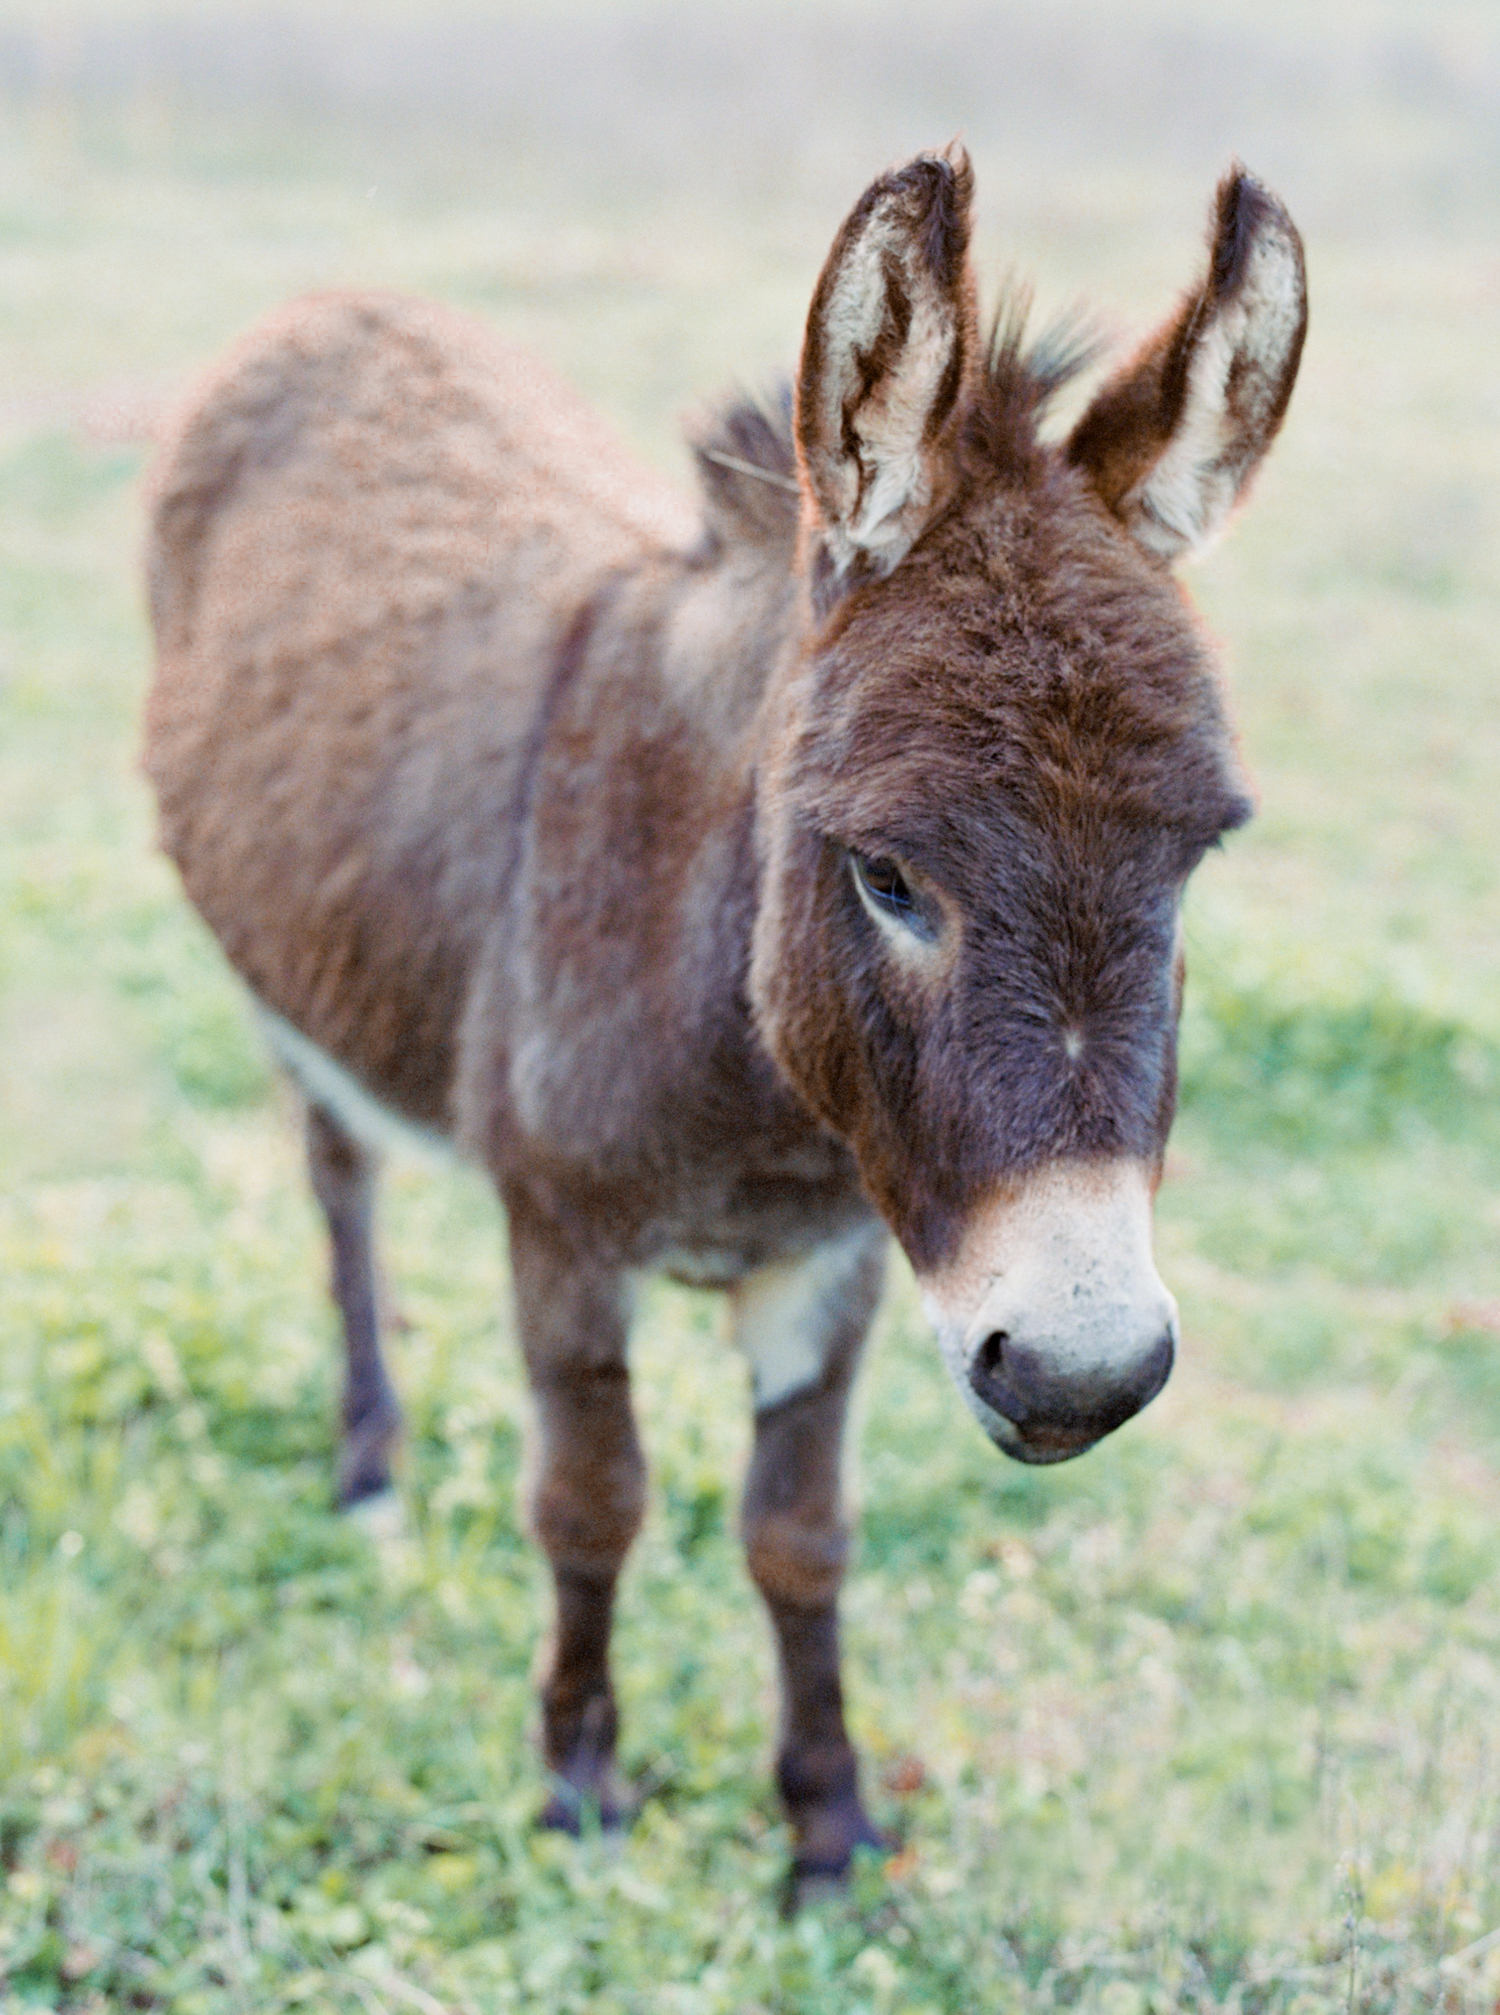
point(887, 892)
point(885, 882)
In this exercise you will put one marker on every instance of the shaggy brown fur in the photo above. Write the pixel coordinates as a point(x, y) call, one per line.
point(718, 879)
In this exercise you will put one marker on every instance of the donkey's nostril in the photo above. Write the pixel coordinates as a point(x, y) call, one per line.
point(990, 1354)
point(1018, 1382)
point(986, 1368)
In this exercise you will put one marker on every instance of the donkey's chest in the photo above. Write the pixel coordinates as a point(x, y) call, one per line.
point(750, 1219)
point(670, 1136)
point(704, 1165)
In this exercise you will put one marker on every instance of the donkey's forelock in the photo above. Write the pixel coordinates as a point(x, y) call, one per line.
point(1022, 375)
point(1024, 656)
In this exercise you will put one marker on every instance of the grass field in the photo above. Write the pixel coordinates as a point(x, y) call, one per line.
point(1208, 1720)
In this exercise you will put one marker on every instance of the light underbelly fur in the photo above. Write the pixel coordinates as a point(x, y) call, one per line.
point(785, 1314)
point(324, 1081)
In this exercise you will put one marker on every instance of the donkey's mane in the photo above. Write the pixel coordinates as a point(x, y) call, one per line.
point(747, 461)
point(747, 468)
point(1021, 376)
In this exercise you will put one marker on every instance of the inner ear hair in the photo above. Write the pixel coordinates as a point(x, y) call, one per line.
point(891, 340)
point(1172, 441)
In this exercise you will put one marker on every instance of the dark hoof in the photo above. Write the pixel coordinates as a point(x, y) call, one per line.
point(827, 1845)
point(365, 1461)
point(588, 1794)
point(597, 1806)
point(806, 1888)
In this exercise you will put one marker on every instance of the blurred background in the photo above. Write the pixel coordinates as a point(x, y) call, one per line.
point(1206, 1720)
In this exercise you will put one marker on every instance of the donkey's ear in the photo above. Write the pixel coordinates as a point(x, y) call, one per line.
point(1172, 440)
point(891, 339)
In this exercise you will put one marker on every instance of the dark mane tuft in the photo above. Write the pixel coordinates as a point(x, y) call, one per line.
point(747, 468)
point(747, 463)
point(1021, 375)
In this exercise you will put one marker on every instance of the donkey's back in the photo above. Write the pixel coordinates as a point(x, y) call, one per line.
point(371, 532)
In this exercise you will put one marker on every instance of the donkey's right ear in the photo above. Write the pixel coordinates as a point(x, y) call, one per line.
point(891, 341)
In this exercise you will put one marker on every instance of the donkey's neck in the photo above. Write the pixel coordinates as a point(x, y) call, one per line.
point(725, 627)
point(632, 1065)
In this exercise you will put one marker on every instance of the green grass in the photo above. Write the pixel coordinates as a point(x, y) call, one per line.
point(1207, 1721)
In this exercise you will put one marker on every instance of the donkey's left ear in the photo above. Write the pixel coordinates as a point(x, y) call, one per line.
point(1172, 441)
point(891, 339)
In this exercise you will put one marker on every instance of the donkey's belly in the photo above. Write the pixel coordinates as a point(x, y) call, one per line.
point(324, 1081)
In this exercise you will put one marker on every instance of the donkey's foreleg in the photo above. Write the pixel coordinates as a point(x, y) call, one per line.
point(588, 1496)
point(343, 1174)
point(802, 1326)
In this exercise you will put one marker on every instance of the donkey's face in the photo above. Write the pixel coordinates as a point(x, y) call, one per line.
point(991, 772)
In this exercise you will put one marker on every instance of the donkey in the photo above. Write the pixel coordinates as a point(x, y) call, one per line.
point(740, 883)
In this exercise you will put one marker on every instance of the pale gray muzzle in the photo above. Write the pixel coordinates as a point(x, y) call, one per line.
point(1057, 1416)
point(1053, 1319)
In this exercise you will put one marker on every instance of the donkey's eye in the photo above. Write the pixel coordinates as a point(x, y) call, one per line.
point(884, 886)
point(886, 883)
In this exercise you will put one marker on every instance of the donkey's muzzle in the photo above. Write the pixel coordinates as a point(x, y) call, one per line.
point(1054, 1417)
point(1051, 1315)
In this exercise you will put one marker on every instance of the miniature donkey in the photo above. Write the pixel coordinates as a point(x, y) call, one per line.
point(738, 884)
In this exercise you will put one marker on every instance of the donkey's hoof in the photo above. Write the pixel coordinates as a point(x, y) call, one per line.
point(826, 1846)
point(365, 1461)
point(806, 1888)
point(601, 1805)
point(362, 1481)
point(809, 1883)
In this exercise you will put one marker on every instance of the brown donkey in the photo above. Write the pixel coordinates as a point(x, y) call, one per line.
point(738, 884)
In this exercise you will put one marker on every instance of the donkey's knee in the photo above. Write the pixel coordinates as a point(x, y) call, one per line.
point(796, 1561)
point(586, 1519)
point(792, 1519)
point(589, 1495)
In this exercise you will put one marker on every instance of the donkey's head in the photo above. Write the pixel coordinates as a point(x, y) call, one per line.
point(990, 772)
